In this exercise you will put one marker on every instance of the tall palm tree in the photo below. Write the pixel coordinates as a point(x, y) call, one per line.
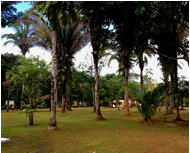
point(56, 12)
point(23, 37)
point(71, 38)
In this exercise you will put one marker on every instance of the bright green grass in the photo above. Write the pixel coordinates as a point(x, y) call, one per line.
point(79, 133)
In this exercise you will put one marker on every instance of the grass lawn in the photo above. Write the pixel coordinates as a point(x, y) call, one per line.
point(79, 133)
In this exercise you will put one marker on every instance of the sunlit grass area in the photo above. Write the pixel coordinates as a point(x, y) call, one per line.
point(79, 133)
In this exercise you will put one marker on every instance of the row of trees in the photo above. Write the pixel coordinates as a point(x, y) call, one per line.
point(159, 27)
point(35, 74)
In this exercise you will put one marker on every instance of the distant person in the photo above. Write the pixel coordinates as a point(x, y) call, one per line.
point(13, 106)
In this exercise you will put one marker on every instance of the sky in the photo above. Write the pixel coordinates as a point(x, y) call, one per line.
point(80, 56)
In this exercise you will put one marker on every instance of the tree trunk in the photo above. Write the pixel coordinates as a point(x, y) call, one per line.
point(141, 81)
point(17, 102)
point(30, 100)
point(22, 91)
point(31, 118)
point(127, 112)
point(98, 113)
point(117, 103)
point(176, 90)
point(141, 65)
point(177, 107)
point(172, 87)
point(54, 67)
point(35, 100)
point(63, 102)
point(8, 97)
point(92, 86)
point(166, 101)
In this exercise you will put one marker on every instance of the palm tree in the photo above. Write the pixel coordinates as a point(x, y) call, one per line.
point(71, 38)
point(56, 12)
point(149, 101)
point(23, 37)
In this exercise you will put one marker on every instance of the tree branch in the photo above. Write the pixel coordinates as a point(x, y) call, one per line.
point(17, 73)
point(36, 77)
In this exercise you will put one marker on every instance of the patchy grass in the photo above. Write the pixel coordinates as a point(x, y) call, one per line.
point(80, 133)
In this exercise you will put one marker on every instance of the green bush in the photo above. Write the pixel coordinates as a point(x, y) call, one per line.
point(41, 104)
point(149, 101)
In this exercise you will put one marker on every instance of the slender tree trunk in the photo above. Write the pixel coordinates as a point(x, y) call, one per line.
point(22, 91)
point(141, 65)
point(176, 90)
point(166, 101)
point(17, 102)
point(98, 113)
point(182, 103)
point(35, 100)
point(54, 67)
point(172, 87)
point(67, 100)
point(30, 100)
point(63, 102)
point(127, 112)
point(141, 74)
point(117, 103)
point(92, 86)
point(8, 97)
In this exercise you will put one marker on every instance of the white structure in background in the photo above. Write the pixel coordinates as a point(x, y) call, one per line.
point(5, 139)
point(11, 102)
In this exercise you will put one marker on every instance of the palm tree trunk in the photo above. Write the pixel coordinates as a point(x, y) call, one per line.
point(98, 113)
point(166, 101)
point(92, 87)
point(176, 90)
point(127, 112)
point(54, 67)
point(63, 102)
point(93, 96)
point(30, 100)
point(141, 65)
point(8, 97)
point(172, 87)
point(141, 74)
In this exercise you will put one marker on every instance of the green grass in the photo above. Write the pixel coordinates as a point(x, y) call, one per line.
point(79, 133)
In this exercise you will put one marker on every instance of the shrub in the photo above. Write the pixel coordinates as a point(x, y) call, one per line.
point(149, 101)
